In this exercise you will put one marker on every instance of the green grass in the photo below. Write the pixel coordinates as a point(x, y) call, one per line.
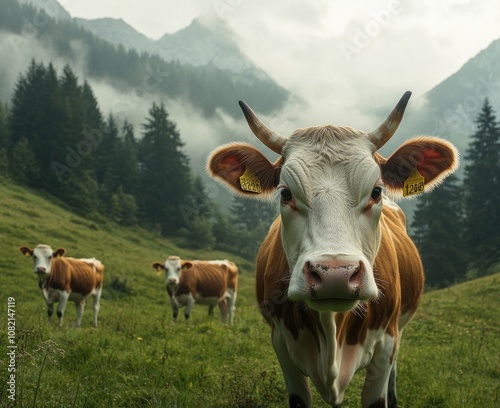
point(138, 358)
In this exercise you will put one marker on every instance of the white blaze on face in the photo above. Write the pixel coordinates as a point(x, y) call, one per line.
point(172, 270)
point(42, 259)
point(330, 227)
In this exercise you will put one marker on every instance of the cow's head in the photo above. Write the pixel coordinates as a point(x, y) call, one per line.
point(331, 183)
point(172, 267)
point(42, 257)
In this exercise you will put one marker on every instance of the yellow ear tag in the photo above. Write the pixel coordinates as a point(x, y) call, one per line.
point(158, 272)
point(414, 184)
point(27, 254)
point(250, 183)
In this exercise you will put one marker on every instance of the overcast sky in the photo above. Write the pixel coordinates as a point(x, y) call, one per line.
point(342, 56)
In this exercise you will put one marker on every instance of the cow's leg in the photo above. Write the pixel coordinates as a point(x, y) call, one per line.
point(223, 310)
point(80, 306)
point(392, 401)
point(50, 310)
point(378, 372)
point(97, 304)
point(189, 305)
point(297, 385)
point(231, 305)
point(175, 308)
point(210, 310)
point(61, 307)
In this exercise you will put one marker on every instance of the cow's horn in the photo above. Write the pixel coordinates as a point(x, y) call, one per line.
point(267, 136)
point(384, 132)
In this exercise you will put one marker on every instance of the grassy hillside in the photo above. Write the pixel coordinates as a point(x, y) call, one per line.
point(138, 358)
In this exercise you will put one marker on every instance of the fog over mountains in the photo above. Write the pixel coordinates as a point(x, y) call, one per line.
point(205, 41)
point(448, 110)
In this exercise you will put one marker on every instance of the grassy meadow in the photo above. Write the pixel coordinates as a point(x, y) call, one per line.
point(137, 357)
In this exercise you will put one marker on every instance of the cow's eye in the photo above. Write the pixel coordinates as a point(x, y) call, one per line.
point(286, 195)
point(376, 194)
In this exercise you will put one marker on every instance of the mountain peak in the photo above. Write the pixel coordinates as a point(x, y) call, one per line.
point(51, 7)
point(208, 40)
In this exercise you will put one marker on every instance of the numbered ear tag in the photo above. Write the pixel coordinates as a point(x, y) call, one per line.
point(414, 184)
point(250, 183)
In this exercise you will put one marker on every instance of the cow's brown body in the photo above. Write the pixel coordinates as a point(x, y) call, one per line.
point(76, 276)
point(204, 282)
point(398, 271)
point(67, 279)
point(337, 276)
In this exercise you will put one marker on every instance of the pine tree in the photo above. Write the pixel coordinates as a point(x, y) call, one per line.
point(482, 192)
point(252, 219)
point(127, 165)
point(165, 181)
point(23, 167)
point(77, 186)
point(438, 233)
point(248, 213)
point(25, 118)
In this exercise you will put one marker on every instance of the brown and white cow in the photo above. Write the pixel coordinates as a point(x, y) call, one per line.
point(63, 279)
point(337, 276)
point(204, 282)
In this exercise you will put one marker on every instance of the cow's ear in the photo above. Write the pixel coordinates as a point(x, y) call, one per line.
point(244, 169)
point(434, 159)
point(186, 265)
point(157, 265)
point(26, 251)
point(59, 252)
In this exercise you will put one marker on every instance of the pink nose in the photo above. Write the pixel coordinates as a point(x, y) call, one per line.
point(172, 280)
point(40, 269)
point(334, 279)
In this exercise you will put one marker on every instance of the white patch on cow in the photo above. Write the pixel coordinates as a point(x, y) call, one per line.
point(331, 367)
point(172, 269)
point(92, 261)
point(42, 259)
point(328, 222)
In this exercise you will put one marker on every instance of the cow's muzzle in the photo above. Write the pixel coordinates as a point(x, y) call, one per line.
point(40, 270)
point(334, 279)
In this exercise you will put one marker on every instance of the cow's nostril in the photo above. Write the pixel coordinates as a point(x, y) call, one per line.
point(314, 277)
point(357, 276)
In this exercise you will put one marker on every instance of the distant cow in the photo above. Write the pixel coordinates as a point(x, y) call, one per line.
point(203, 282)
point(62, 279)
point(337, 275)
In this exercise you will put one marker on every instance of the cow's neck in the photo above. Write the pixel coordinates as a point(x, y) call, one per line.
point(42, 280)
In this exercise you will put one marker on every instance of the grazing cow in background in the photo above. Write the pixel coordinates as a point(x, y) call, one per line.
point(337, 275)
point(62, 279)
point(203, 282)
